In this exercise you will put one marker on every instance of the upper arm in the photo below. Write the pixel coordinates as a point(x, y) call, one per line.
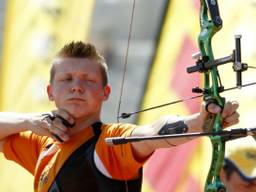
point(24, 148)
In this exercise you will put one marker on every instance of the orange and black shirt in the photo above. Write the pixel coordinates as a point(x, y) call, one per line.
point(49, 161)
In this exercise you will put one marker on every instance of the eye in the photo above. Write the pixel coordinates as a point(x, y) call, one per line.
point(66, 78)
point(90, 81)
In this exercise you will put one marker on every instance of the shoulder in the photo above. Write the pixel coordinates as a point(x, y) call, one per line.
point(117, 129)
point(26, 139)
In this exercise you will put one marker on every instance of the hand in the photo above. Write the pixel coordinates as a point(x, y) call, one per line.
point(229, 114)
point(55, 125)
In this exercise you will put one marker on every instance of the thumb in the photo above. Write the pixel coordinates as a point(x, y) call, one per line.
point(213, 108)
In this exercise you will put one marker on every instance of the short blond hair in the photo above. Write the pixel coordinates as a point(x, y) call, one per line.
point(79, 49)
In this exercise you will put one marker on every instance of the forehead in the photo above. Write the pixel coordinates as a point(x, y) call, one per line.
point(80, 65)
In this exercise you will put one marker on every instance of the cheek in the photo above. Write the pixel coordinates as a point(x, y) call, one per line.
point(58, 95)
point(94, 91)
point(100, 96)
point(95, 98)
point(60, 88)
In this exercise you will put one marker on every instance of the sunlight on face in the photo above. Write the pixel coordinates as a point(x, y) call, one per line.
point(77, 87)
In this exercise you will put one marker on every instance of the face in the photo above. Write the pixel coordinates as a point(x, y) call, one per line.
point(77, 87)
point(236, 184)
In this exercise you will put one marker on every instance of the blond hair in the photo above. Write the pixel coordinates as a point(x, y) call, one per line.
point(80, 49)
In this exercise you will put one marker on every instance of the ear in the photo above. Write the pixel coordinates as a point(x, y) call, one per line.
point(222, 176)
point(50, 92)
point(107, 90)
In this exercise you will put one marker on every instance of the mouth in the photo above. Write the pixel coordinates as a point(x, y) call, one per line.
point(76, 99)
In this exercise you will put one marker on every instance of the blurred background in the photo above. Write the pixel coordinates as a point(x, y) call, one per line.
point(164, 36)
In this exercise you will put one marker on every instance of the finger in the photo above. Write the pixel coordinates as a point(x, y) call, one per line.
point(46, 121)
point(231, 120)
point(56, 137)
point(225, 125)
point(229, 108)
point(54, 127)
point(64, 121)
point(57, 122)
point(232, 117)
point(45, 126)
point(50, 118)
point(59, 134)
point(65, 115)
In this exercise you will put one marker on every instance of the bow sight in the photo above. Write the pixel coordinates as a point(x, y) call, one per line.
point(203, 64)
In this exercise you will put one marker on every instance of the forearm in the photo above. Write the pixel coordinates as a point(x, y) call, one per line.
point(177, 125)
point(194, 124)
point(164, 126)
point(11, 123)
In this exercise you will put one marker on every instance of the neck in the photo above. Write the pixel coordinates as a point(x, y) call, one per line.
point(83, 123)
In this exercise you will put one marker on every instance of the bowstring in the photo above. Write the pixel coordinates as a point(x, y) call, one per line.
point(124, 75)
point(126, 59)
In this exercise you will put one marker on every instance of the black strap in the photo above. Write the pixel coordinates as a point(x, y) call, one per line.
point(97, 128)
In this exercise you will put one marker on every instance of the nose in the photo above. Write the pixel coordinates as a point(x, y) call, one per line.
point(77, 86)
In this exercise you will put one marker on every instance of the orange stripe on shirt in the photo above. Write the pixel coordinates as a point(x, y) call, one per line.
point(119, 160)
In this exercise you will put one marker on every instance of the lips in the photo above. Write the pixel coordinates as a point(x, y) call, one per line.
point(76, 99)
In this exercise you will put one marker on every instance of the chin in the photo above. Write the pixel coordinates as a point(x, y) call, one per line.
point(76, 112)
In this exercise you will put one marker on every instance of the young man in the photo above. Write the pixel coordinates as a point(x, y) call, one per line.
point(66, 151)
point(239, 170)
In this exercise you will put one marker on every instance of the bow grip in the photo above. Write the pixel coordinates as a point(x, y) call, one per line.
point(210, 101)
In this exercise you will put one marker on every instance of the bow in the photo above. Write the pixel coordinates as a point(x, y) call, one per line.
point(212, 85)
point(210, 23)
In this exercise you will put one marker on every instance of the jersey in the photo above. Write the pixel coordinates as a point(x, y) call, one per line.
point(44, 157)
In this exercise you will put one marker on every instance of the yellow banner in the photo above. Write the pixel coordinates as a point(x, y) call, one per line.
point(33, 32)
